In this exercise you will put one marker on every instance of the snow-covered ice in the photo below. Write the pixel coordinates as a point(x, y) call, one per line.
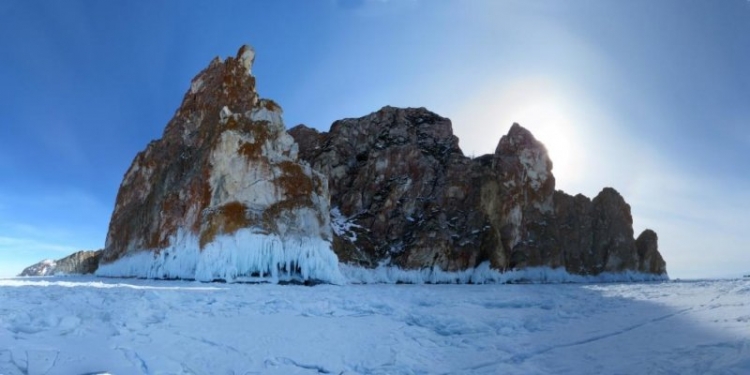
point(79, 325)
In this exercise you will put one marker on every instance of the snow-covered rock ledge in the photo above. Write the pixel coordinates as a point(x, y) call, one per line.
point(244, 256)
point(483, 274)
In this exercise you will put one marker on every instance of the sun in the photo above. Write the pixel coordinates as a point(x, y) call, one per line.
point(546, 117)
point(553, 112)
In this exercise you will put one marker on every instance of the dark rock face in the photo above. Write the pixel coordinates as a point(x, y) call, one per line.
point(391, 172)
point(613, 232)
point(404, 194)
point(598, 234)
point(649, 258)
point(81, 262)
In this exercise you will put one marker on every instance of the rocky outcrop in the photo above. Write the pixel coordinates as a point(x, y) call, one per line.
point(597, 234)
point(649, 258)
point(81, 262)
point(404, 194)
point(228, 194)
point(388, 173)
point(222, 195)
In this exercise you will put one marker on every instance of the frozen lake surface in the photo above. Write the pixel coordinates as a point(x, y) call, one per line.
point(81, 325)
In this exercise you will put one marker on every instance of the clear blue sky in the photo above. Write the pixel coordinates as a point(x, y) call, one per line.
point(650, 97)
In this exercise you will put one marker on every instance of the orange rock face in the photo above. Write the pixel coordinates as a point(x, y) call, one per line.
point(224, 164)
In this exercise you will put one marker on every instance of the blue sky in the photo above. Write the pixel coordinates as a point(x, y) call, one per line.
point(650, 97)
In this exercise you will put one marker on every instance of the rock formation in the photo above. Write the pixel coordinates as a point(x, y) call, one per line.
point(81, 262)
point(228, 194)
point(649, 258)
point(222, 196)
point(404, 194)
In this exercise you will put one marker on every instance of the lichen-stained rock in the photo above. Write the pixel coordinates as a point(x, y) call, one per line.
point(221, 195)
point(613, 241)
point(404, 195)
point(524, 215)
point(80, 262)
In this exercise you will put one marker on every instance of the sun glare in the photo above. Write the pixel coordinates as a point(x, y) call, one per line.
point(549, 111)
point(550, 124)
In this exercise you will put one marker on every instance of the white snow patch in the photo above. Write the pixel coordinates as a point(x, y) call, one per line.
point(241, 256)
point(196, 85)
point(225, 113)
point(343, 226)
point(261, 113)
point(535, 166)
point(44, 268)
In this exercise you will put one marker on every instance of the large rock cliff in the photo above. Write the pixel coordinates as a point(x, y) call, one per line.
point(222, 195)
point(404, 194)
point(228, 194)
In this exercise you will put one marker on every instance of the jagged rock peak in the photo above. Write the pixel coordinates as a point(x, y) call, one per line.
point(392, 126)
point(246, 56)
point(520, 152)
point(222, 195)
point(518, 138)
point(223, 88)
